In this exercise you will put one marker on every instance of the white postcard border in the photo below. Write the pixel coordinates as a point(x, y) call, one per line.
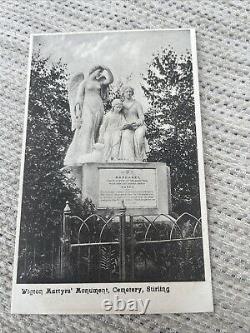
point(182, 296)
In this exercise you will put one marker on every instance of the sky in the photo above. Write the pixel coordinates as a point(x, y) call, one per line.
point(125, 53)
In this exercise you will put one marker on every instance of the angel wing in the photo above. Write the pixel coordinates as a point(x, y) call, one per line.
point(75, 95)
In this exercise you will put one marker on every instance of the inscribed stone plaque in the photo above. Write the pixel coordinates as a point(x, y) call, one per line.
point(136, 187)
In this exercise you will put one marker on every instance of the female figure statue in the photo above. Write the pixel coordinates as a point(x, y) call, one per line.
point(111, 131)
point(86, 106)
point(134, 144)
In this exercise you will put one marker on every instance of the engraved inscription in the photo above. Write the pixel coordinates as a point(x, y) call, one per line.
point(136, 187)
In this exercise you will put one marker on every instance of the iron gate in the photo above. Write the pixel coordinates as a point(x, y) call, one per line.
point(128, 238)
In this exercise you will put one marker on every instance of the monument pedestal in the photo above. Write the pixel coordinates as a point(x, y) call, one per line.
point(144, 188)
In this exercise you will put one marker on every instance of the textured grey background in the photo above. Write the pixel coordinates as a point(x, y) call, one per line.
point(223, 69)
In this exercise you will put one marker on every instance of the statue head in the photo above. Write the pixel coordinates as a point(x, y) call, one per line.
point(98, 69)
point(104, 76)
point(128, 92)
point(117, 105)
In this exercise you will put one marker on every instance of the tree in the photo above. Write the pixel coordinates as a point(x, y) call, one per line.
point(46, 186)
point(168, 87)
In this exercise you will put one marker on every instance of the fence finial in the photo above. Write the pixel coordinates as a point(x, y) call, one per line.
point(67, 209)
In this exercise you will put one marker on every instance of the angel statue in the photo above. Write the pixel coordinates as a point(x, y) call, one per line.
point(86, 98)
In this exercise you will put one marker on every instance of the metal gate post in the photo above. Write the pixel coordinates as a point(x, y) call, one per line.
point(122, 244)
point(132, 249)
point(65, 244)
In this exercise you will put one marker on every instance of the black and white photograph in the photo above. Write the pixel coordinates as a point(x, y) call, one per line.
point(112, 200)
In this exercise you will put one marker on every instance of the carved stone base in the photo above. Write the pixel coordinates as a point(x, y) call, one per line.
point(144, 188)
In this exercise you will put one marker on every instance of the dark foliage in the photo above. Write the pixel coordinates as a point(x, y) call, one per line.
point(46, 186)
point(171, 133)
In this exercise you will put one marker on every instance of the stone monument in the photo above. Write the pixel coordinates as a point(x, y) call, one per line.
point(108, 152)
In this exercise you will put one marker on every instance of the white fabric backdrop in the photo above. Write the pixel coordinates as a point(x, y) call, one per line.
point(223, 69)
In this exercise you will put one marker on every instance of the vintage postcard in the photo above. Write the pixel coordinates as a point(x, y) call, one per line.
point(112, 212)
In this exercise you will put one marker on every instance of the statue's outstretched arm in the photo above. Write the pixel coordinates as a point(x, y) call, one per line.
point(94, 72)
point(109, 78)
